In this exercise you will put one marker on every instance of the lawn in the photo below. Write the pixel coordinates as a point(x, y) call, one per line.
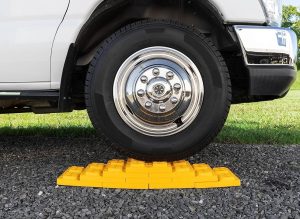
point(273, 122)
point(296, 85)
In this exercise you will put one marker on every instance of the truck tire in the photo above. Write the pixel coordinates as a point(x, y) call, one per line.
point(158, 90)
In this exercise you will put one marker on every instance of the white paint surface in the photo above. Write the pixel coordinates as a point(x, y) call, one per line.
point(27, 32)
point(28, 29)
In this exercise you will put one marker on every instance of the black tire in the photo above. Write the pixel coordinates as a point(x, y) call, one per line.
point(123, 43)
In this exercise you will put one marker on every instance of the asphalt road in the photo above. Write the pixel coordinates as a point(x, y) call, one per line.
point(29, 167)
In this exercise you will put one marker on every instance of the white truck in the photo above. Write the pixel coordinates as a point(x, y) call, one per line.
point(157, 77)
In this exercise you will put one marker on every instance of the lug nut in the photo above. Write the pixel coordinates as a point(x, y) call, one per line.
point(148, 104)
point(162, 108)
point(170, 75)
point(144, 79)
point(174, 100)
point(155, 71)
point(141, 93)
point(177, 87)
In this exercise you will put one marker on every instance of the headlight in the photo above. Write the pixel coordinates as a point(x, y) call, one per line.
point(273, 10)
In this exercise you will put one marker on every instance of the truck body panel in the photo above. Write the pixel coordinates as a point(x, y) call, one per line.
point(27, 33)
point(249, 11)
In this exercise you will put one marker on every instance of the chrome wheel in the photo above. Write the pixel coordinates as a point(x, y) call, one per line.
point(158, 91)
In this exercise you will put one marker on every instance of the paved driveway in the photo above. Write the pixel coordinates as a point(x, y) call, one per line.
point(29, 167)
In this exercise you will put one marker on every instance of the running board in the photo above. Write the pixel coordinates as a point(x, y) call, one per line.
point(29, 95)
point(45, 101)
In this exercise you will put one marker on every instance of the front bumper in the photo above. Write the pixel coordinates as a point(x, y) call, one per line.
point(270, 55)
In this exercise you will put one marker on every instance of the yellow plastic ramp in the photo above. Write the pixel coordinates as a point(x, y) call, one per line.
point(135, 174)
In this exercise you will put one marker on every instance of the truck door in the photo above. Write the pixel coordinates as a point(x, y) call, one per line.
point(27, 31)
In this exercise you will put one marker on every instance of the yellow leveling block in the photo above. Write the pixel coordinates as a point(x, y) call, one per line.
point(135, 174)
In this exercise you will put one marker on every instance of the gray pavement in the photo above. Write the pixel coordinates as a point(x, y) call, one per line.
point(29, 167)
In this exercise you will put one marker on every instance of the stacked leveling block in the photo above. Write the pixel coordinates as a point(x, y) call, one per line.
point(135, 174)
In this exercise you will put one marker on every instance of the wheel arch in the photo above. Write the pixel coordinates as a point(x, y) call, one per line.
point(111, 15)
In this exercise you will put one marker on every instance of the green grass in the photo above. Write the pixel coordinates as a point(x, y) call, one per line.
point(296, 85)
point(273, 122)
point(75, 124)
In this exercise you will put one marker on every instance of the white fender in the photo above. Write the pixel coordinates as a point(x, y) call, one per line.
point(237, 11)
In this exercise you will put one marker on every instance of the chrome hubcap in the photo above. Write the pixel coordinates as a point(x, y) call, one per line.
point(158, 91)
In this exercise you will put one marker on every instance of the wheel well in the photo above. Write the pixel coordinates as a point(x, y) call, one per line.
point(111, 15)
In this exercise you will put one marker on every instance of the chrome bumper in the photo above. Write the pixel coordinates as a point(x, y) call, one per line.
point(262, 45)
